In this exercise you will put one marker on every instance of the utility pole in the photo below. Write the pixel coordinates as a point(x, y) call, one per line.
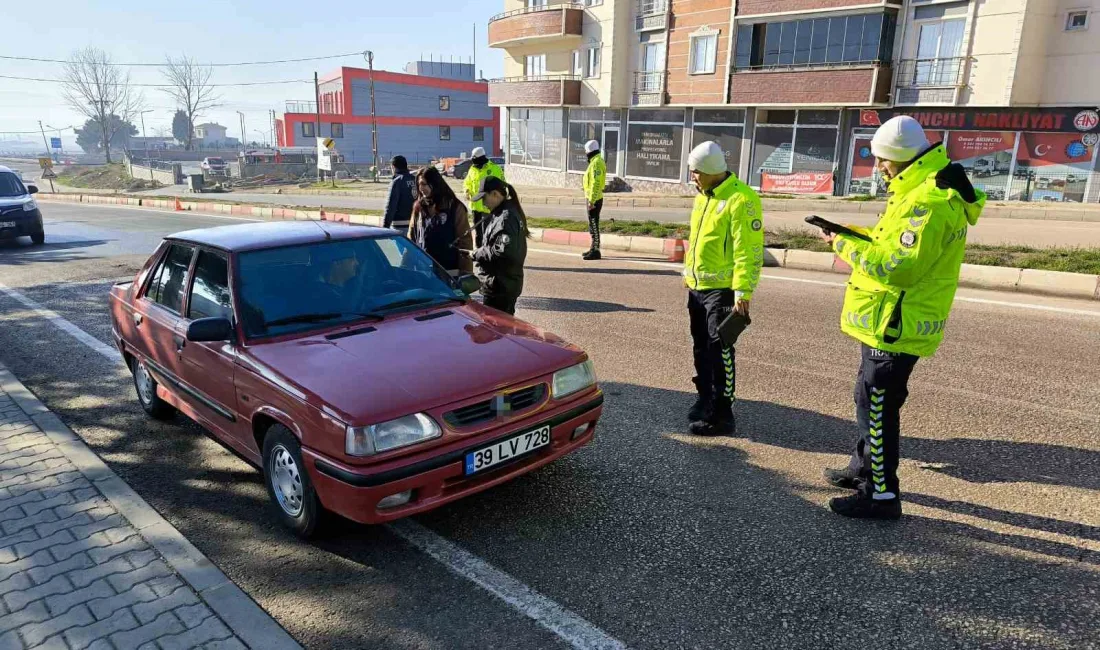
point(373, 118)
point(146, 140)
point(244, 134)
point(44, 138)
point(317, 129)
point(475, 52)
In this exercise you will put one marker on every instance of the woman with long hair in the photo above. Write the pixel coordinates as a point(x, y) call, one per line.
point(500, 258)
point(440, 222)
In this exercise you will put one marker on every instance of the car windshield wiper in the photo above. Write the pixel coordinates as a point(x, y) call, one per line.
point(320, 317)
point(413, 302)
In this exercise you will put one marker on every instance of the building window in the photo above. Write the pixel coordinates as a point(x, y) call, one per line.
point(724, 126)
point(863, 38)
point(592, 63)
point(654, 144)
point(479, 134)
point(535, 4)
point(599, 124)
point(578, 63)
point(592, 3)
point(535, 137)
point(790, 146)
point(534, 65)
point(337, 130)
point(704, 51)
point(1077, 20)
point(307, 130)
point(444, 133)
point(444, 102)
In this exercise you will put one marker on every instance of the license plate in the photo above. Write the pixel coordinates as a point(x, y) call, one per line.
point(7, 224)
point(506, 450)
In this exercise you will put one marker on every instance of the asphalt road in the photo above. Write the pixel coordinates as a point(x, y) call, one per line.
point(658, 539)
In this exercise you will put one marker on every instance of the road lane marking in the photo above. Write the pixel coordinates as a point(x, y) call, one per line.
point(770, 276)
point(138, 208)
point(569, 627)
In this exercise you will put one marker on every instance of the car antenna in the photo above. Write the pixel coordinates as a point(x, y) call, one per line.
point(328, 235)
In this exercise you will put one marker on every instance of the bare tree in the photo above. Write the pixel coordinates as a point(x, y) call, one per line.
point(191, 88)
point(99, 90)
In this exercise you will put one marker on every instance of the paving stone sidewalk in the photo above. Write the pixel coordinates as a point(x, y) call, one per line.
point(86, 563)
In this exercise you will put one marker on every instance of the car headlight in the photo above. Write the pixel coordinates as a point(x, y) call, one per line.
point(573, 379)
point(402, 432)
point(30, 206)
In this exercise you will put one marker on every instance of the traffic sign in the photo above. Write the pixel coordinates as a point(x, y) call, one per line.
point(55, 143)
point(329, 143)
point(324, 153)
point(45, 163)
point(49, 173)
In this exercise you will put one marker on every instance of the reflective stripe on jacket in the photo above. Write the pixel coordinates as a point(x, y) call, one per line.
point(595, 177)
point(472, 182)
point(903, 282)
point(726, 245)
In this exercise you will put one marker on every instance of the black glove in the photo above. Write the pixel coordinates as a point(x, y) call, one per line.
point(954, 177)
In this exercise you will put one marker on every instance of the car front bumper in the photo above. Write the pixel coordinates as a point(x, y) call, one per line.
point(436, 479)
point(25, 223)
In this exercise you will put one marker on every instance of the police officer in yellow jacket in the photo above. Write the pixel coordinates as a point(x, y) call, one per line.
point(721, 270)
point(480, 167)
point(899, 295)
point(595, 176)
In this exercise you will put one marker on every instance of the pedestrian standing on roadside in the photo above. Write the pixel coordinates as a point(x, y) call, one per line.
point(721, 270)
point(499, 260)
point(898, 299)
point(480, 167)
point(595, 176)
point(399, 204)
point(440, 223)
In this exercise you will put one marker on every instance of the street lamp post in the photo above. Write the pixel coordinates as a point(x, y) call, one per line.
point(145, 143)
point(244, 135)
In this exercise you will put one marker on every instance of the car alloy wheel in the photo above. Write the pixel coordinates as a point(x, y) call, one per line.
point(286, 481)
point(146, 388)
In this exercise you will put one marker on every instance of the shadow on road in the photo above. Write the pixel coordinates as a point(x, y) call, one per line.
point(22, 251)
point(605, 271)
point(536, 303)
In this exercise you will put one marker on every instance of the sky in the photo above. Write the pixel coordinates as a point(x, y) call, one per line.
point(218, 31)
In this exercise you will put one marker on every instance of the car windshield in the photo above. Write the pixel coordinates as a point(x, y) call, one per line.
point(215, 161)
point(10, 185)
point(299, 288)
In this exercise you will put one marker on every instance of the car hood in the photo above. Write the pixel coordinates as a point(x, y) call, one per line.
point(413, 362)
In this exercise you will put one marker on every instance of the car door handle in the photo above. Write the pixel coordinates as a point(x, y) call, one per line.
point(138, 318)
point(180, 342)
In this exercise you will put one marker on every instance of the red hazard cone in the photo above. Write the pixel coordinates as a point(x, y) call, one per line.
point(179, 206)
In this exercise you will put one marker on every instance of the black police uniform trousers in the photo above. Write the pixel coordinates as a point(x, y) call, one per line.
point(594, 223)
point(715, 371)
point(506, 304)
point(881, 390)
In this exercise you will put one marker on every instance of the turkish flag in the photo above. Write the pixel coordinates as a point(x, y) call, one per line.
point(869, 118)
point(1038, 149)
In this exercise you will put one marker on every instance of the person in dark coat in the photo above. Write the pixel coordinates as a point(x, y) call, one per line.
point(399, 204)
point(500, 258)
point(440, 223)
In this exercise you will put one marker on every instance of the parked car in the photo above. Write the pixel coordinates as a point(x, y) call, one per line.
point(214, 166)
point(349, 366)
point(462, 167)
point(19, 213)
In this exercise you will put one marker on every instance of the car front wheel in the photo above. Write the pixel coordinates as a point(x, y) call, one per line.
point(146, 388)
point(288, 483)
point(38, 238)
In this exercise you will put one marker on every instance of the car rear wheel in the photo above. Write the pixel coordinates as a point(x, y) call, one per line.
point(146, 388)
point(288, 483)
point(38, 238)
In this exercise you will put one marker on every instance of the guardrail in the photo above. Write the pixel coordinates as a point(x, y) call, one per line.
point(531, 10)
point(541, 77)
point(931, 73)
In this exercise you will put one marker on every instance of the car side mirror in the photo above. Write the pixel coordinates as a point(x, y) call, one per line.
point(469, 284)
point(32, 189)
point(215, 328)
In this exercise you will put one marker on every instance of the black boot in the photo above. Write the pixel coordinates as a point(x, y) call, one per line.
point(592, 254)
point(699, 410)
point(843, 478)
point(862, 506)
point(713, 427)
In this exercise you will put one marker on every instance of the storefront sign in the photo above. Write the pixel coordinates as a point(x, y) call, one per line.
point(1045, 149)
point(798, 183)
point(653, 150)
point(965, 145)
point(1055, 120)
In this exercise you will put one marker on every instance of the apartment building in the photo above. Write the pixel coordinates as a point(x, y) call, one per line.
point(431, 110)
point(793, 88)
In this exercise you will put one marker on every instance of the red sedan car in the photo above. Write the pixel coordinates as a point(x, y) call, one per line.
point(349, 366)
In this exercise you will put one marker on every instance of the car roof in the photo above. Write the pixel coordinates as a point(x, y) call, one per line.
point(275, 234)
point(6, 169)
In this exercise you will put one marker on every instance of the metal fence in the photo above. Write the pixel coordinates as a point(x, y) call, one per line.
point(1030, 184)
point(931, 73)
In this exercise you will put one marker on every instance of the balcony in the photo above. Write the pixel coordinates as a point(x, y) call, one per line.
point(649, 88)
point(543, 90)
point(536, 25)
point(930, 81)
point(856, 84)
point(652, 15)
point(299, 106)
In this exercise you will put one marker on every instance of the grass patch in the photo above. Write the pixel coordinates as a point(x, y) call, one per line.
point(615, 227)
point(794, 239)
point(1070, 260)
point(105, 177)
point(861, 198)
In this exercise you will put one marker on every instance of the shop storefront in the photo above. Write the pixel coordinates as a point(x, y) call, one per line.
point(795, 151)
point(1042, 154)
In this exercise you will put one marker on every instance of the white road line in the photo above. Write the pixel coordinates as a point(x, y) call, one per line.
point(770, 276)
point(138, 208)
point(569, 627)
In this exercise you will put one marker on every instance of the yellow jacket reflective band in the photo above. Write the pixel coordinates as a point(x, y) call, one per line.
point(595, 177)
point(726, 245)
point(472, 182)
point(904, 280)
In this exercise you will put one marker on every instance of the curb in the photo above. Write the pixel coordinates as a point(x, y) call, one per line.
point(247, 620)
point(999, 278)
